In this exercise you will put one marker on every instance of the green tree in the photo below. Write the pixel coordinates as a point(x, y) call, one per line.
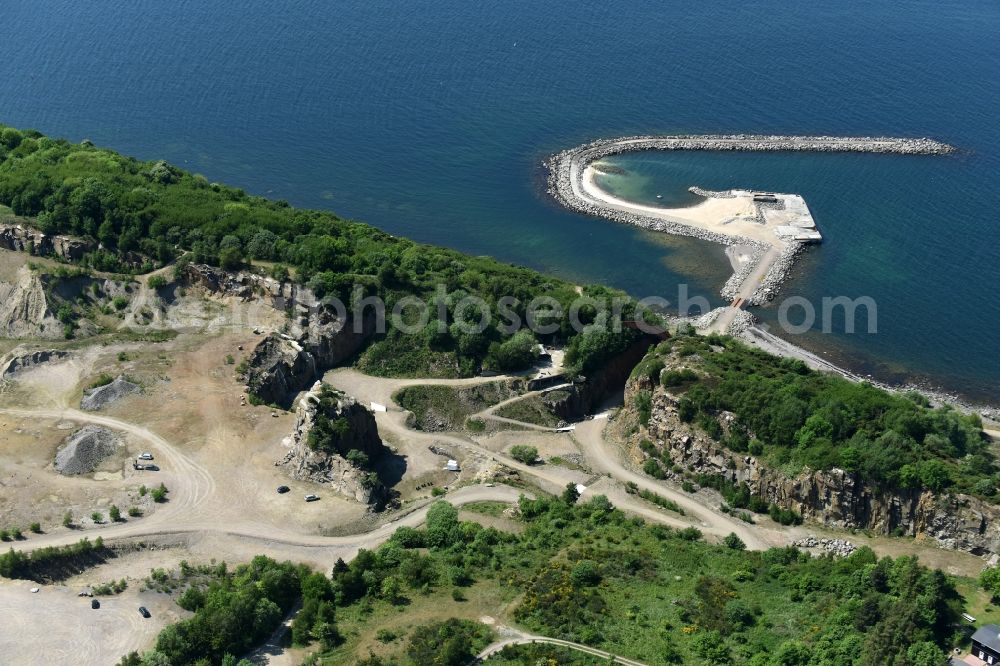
point(114, 514)
point(570, 494)
point(442, 524)
point(452, 642)
point(990, 580)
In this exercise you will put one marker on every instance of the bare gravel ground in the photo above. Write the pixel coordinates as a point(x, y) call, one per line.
point(55, 626)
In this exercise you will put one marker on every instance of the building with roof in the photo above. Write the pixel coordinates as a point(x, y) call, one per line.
point(986, 644)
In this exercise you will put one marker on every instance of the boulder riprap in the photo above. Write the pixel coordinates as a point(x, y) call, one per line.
point(86, 449)
point(336, 442)
point(102, 396)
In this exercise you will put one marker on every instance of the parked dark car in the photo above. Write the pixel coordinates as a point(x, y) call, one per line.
point(143, 611)
point(283, 489)
point(94, 603)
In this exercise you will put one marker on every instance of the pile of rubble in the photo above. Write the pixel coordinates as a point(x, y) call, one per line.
point(86, 449)
point(840, 547)
point(102, 396)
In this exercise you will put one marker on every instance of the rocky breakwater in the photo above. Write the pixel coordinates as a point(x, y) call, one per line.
point(834, 498)
point(20, 238)
point(316, 336)
point(567, 168)
point(336, 443)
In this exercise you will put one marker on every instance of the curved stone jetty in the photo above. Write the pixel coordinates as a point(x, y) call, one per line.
point(772, 245)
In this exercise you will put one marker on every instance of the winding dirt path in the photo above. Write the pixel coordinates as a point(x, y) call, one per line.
point(518, 637)
point(605, 458)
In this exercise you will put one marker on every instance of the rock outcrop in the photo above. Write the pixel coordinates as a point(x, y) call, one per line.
point(355, 431)
point(834, 498)
point(24, 309)
point(21, 238)
point(583, 397)
point(22, 360)
point(317, 337)
point(279, 368)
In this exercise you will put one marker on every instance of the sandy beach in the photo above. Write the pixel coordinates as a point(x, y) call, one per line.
point(729, 216)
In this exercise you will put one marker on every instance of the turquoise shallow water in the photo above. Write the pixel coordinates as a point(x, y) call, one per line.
point(430, 119)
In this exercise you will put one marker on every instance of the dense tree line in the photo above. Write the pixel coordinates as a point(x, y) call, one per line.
point(234, 611)
point(152, 211)
point(53, 562)
point(797, 417)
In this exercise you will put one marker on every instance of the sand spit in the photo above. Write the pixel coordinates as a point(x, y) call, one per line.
point(723, 217)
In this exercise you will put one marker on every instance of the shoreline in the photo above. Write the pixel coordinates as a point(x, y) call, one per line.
point(750, 332)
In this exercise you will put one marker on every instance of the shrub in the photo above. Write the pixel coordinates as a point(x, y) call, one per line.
point(653, 468)
point(733, 542)
point(134, 511)
point(102, 380)
point(114, 514)
point(157, 282)
point(644, 405)
point(97, 517)
point(523, 453)
point(672, 378)
point(160, 493)
point(452, 642)
point(689, 534)
point(36, 528)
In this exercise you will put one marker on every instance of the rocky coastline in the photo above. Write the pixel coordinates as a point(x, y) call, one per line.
point(834, 498)
point(566, 171)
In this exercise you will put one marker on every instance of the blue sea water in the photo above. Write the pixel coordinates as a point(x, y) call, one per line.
point(430, 118)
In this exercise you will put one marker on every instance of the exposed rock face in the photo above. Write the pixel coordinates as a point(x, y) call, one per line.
point(279, 368)
point(24, 239)
point(575, 402)
point(332, 467)
point(21, 360)
point(24, 309)
point(317, 338)
point(102, 396)
point(86, 449)
point(835, 498)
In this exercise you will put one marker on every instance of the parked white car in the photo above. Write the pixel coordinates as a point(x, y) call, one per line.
point(145, 456)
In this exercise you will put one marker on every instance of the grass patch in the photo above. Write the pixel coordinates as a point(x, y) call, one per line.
point(531, 409)
point(437, 408)
point(494, 509)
